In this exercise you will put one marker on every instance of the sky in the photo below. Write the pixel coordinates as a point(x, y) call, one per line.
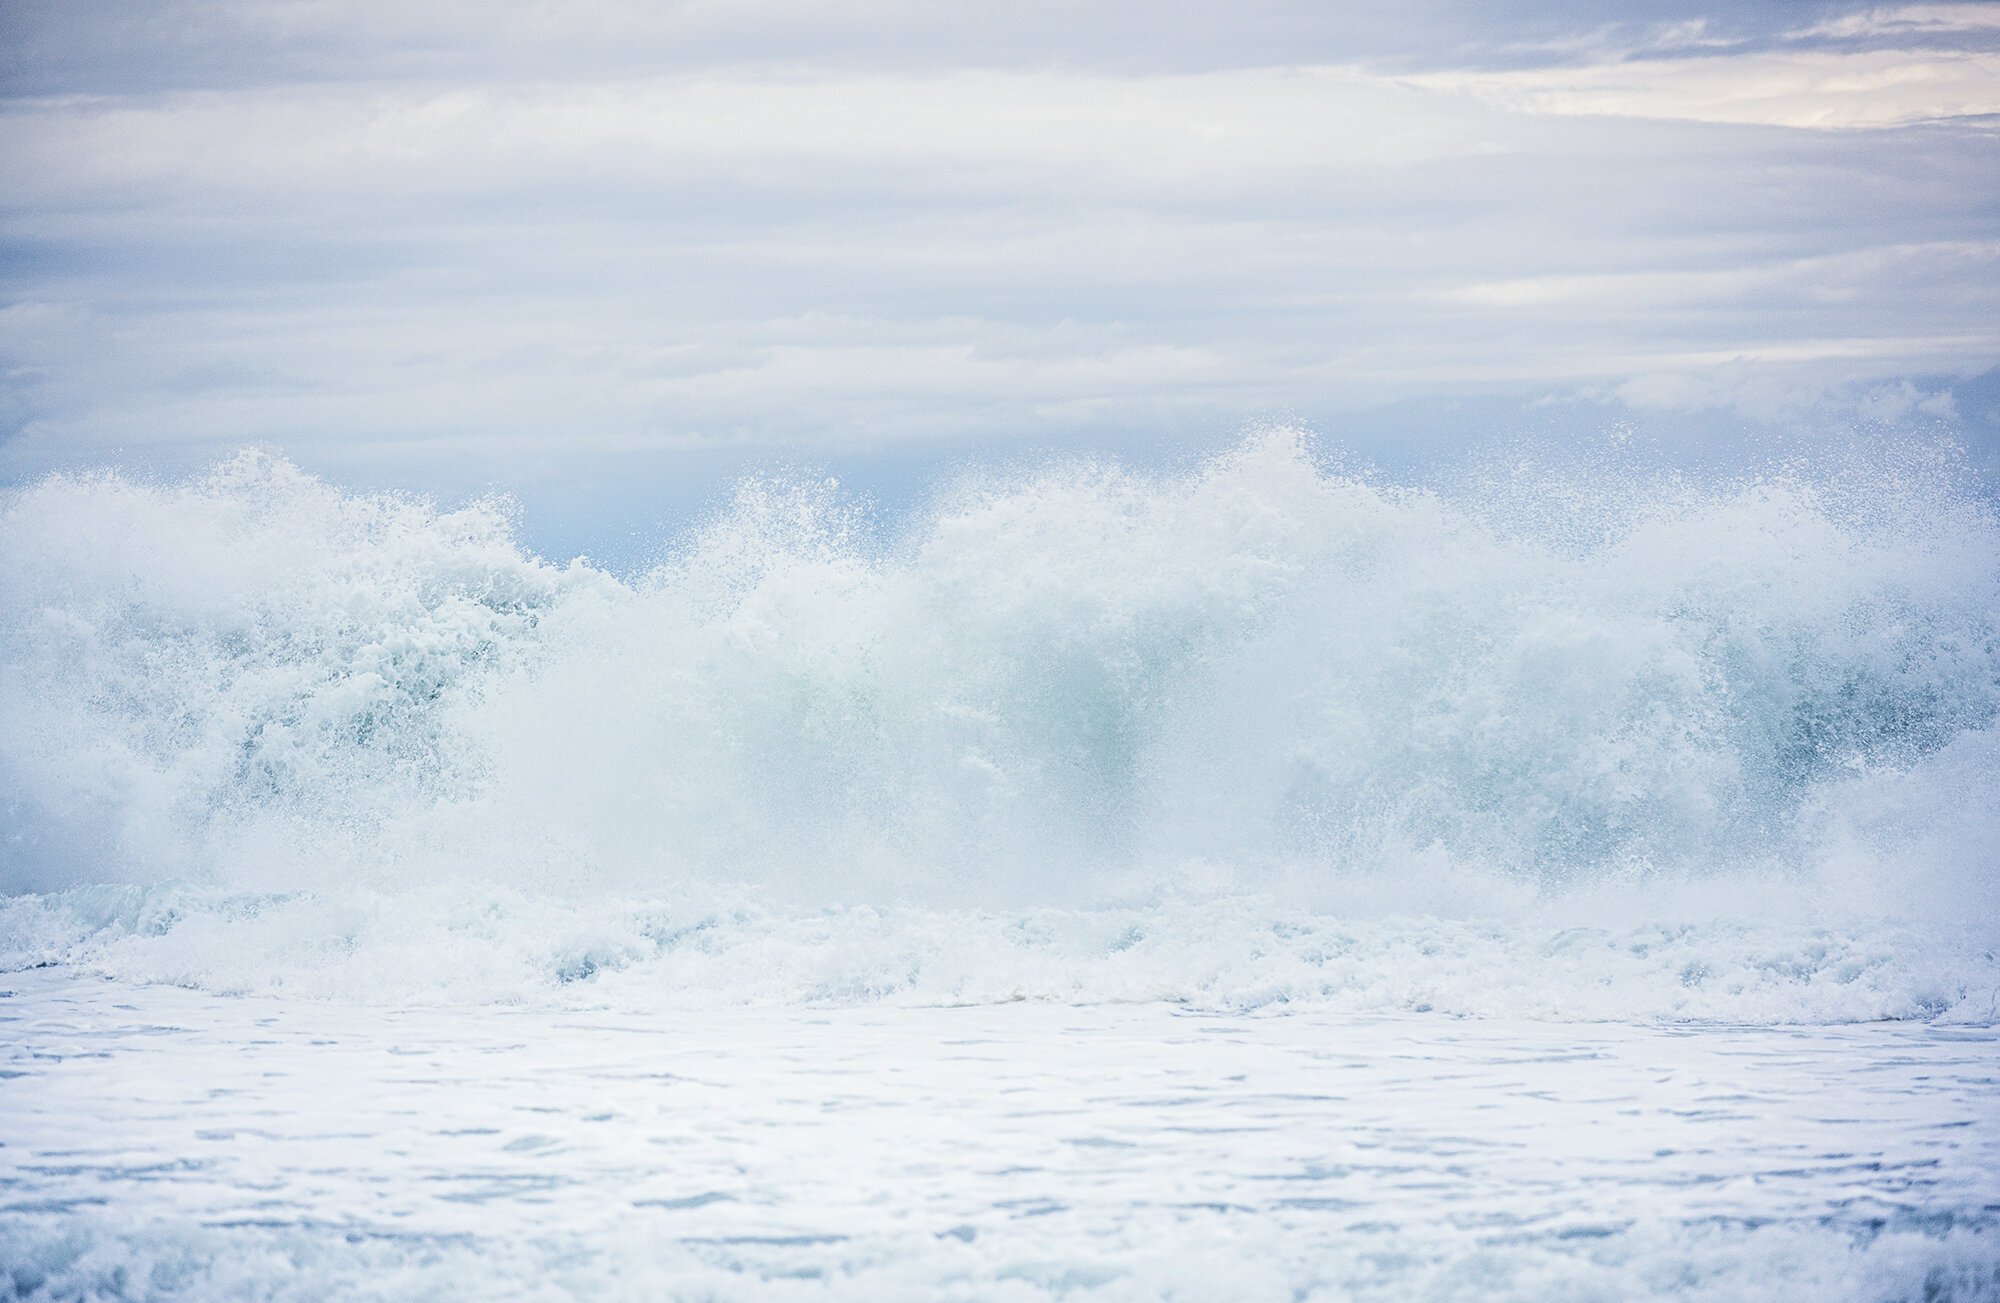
point(606, 254)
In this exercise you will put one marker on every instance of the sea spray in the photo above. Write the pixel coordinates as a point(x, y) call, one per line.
point(1261, 729)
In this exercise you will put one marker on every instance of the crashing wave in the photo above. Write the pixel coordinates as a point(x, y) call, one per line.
point(1259, 730)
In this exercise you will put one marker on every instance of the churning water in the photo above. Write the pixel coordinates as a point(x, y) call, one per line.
point(1569, 745)
point(1260, 733)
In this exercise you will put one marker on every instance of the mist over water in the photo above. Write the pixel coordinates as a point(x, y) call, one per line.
point(1544, 742)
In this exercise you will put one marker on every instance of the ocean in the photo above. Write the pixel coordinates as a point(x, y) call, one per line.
point(1250, 879)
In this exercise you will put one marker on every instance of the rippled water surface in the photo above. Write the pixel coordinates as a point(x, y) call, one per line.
point(166, 1143)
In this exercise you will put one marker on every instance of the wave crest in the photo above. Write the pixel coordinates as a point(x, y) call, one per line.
point(1081, 687)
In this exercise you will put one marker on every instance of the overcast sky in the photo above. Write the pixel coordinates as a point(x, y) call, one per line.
point(605, 252)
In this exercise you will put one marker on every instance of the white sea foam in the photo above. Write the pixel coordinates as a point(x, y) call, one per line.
point(1261, 730)
point(166, 1144)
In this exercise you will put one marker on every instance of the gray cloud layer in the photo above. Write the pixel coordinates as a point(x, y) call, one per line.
point(387, 234)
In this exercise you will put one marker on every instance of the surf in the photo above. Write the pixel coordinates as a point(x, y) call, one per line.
point(1258, 727)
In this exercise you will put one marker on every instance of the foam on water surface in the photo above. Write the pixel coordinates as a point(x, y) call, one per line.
point(1257, 880)
point(177, 1145)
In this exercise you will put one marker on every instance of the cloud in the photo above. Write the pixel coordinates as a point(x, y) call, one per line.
point(337, 236)
point(1906, 21)
point(55, 47)
point(1783, 396)
point(1824, 90)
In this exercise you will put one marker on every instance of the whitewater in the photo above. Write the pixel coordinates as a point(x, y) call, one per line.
point(1253, 878)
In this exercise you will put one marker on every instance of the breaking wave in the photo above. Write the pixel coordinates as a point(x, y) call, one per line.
point(1263, 729)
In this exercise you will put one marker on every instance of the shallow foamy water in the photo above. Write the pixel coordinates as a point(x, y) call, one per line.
point(160, 1142)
